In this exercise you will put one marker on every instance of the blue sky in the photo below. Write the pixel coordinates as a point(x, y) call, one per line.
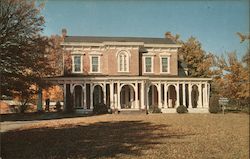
point(214, 23)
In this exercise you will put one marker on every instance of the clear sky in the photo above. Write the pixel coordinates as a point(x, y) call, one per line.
point(214, 23)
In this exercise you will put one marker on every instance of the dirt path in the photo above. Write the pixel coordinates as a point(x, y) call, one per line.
point(12, 125)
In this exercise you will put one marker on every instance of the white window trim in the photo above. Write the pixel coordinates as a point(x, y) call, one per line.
point(165, 56)
point(128, 60)
point(99, 63)
point(95, 53)
point(152, 64)
point(73, 63)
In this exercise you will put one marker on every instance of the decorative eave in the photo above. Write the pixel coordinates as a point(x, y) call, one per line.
point(163, 45)
point(110, 78)
point(110, 43)
point(80, 44)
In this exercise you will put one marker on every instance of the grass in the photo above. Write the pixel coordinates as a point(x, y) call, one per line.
point(132, 136)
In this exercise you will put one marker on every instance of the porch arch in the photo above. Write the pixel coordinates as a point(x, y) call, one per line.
point(78, 91)
point(129, 84)
point(152, 94)
point(98, 84)
point(172, 96)
point(194, 96)
point(98, 94)
point(127, 94)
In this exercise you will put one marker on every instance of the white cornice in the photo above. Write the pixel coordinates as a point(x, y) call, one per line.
point(123, 43)
point(110, 43)
point(81, 44)
point(163, 45)
point(180, 79)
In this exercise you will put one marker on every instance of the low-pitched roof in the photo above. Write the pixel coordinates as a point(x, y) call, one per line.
point(100, 39)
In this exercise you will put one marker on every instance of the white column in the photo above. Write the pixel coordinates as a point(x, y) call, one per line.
point(189, 96)
point(200, 96)
point(104, 93)
point(111, 85)
point(136, 95)
point(142, 95)
point(147, 99)
point(177, 95)
point(205, 96)
point(170, 103)
point(132, 97)
point(72, 94)
point(64, 96)
point(165, 95)
point(159, 96)
point(91, 95)
point(184, 94)
point(153, 94)
point(100, 94)
point(118, 95)
point(85, 96)
point(208, 93)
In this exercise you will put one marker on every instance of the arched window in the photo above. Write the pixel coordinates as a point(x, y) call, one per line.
point(123, 61)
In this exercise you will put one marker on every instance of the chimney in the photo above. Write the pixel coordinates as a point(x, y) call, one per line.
point(64, 32)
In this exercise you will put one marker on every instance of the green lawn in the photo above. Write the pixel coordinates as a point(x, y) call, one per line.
point(132, 136)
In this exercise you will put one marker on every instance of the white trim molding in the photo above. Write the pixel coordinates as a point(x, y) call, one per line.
point(77, 52)
point(95, 53)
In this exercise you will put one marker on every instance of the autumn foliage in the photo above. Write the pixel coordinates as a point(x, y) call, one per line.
point(232, 80)
point(230, 75)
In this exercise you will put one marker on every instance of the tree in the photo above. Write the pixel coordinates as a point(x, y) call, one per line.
point(55, 55)
point(197, 60)
point(55, 60)
point(175, 38)
point(23, 50)
point(245, 87)
point(233, 80)
point(231, 76)
point(243, 37)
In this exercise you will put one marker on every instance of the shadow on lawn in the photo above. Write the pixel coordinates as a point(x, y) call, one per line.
point(39, 116)
point(103, 139)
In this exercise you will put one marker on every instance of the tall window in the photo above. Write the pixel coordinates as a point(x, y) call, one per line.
point(95, 64)
point(164, 64)
point(123, 62)
point(148, 64)
point(77, 63)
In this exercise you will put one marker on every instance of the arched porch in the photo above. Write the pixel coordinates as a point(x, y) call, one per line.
point(152, 96)
point(127, 100)
point(78, 96)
